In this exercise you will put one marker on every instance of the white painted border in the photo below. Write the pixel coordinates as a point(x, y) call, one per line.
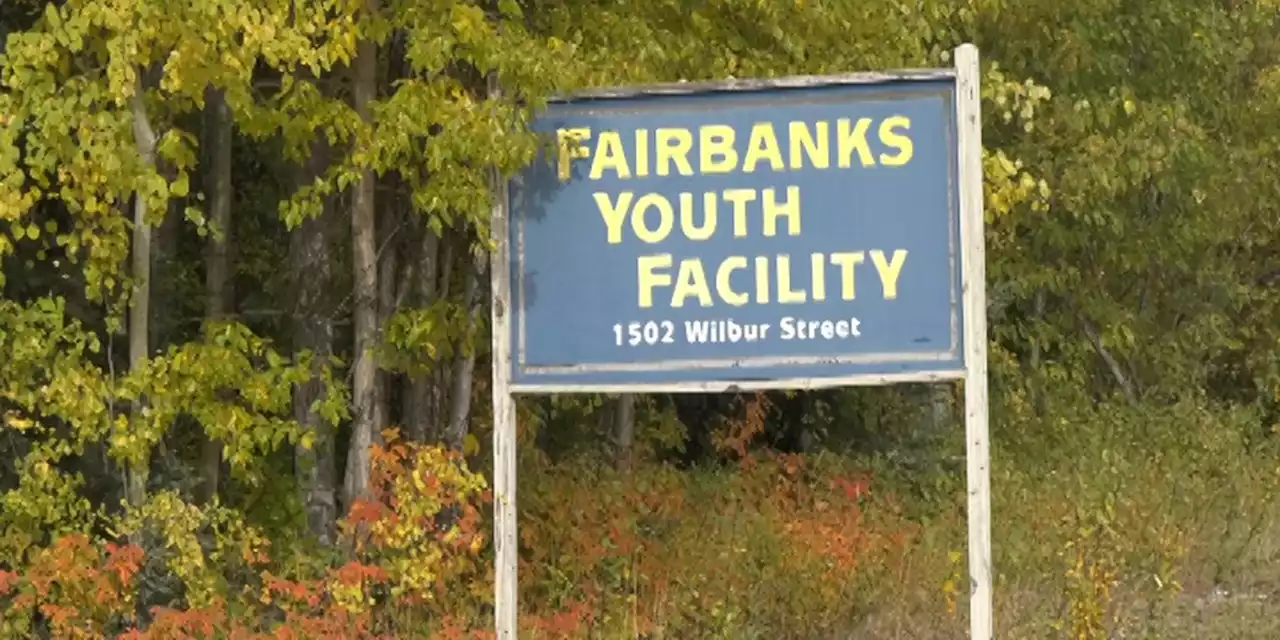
point(719, 386)
point(758, 84)
point(974, 287)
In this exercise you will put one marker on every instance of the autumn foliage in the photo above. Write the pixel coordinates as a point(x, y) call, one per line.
point(638, 554)
point(203, 329)
point(409, 551)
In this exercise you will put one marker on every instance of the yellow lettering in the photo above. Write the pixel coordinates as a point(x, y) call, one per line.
point(739, 198)
point(785, 293)
point(774, 210)
point(816, 146)
point(847, 261)
point(716, 148)
point(708, 227)
point(642, 152)
point(889, 271)
point(762, 280)
point(571, 148)
point(674, 146)
point(666, 218)
point(692, 281)
point(854, 138)
point(819, 283)
point(614, 214)
point(724, 284)
point(896, 140)
point(610, 155)
point(650, 278)
point(763, 146)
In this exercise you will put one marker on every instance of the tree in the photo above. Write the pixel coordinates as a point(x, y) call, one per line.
point(219, 297)
point(365, 290)
point(1130, 271)
point(93, 100)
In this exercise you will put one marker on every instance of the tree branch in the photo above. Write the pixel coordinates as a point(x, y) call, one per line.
point(1117, 372)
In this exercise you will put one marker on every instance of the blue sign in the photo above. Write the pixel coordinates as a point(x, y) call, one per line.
point(780, 234)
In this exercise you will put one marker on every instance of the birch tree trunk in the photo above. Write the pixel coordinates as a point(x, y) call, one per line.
point(365, 259)
point(464, 363)
point(140, 307)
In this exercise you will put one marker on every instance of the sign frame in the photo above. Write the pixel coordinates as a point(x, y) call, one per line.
point(969, 187)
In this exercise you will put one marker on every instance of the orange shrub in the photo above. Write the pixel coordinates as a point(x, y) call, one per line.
point(780, 543)
point(79, 589)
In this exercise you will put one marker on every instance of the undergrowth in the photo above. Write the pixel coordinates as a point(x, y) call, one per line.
point(1107, 531)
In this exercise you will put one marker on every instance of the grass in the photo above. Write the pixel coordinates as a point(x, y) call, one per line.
point(1136, 524)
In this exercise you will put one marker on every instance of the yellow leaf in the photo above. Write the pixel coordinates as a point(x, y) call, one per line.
point(18, 424)
point(470, 446)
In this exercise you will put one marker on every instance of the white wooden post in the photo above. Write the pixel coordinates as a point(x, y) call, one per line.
point(974, 278)
point(506, 594)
